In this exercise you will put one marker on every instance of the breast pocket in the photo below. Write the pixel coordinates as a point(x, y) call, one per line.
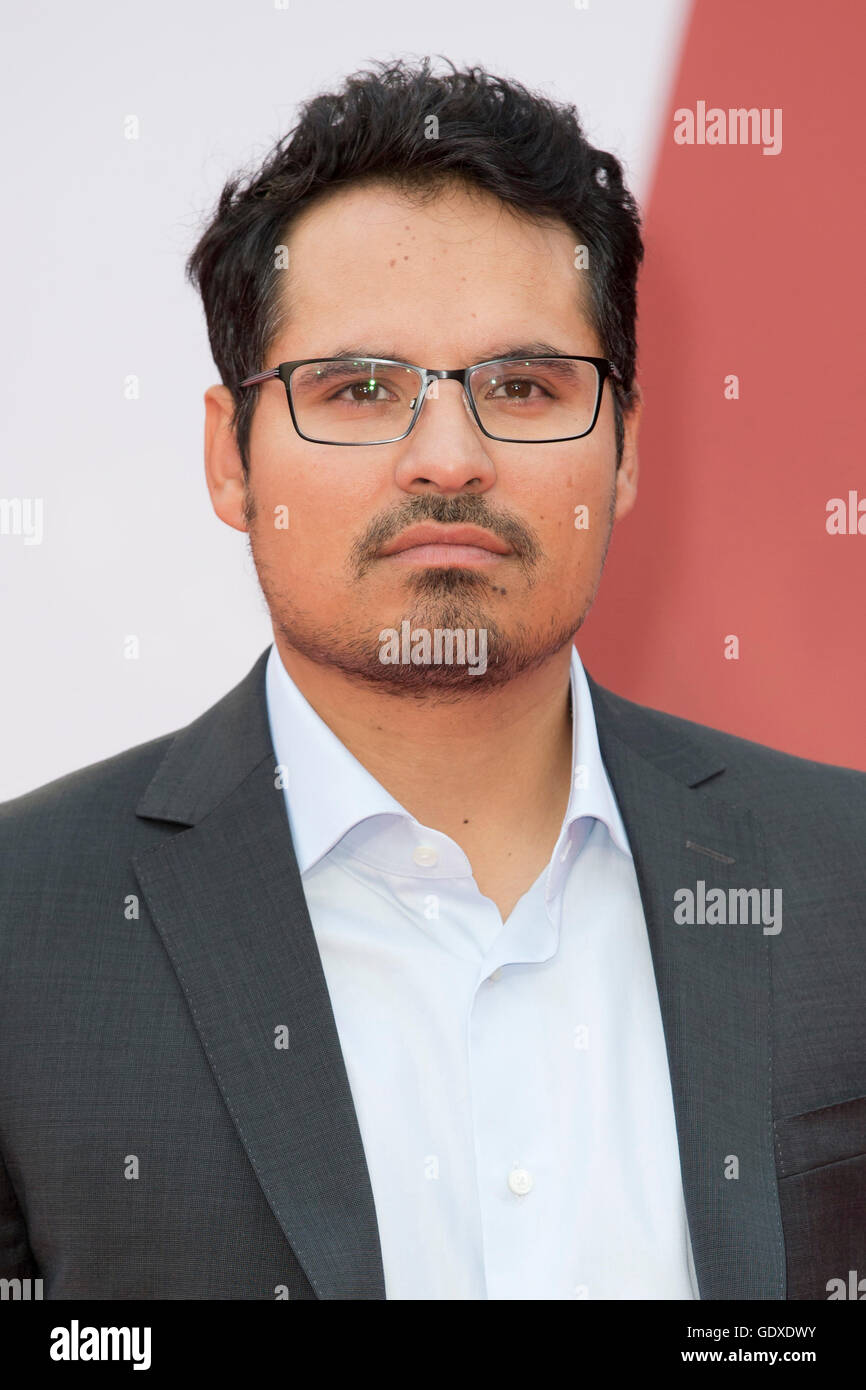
point(821, 1164)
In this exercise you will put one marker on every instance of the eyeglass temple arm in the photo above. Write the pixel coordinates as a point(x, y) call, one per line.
point(260, 376)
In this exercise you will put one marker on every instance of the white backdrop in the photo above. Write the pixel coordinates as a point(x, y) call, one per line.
point(95, 232)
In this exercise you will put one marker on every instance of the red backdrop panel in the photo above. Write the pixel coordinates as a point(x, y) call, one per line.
point(754, 267)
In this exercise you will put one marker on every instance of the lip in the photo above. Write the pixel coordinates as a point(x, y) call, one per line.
point(431, 544)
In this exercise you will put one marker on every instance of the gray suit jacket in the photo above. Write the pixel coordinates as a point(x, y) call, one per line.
point(154, 932)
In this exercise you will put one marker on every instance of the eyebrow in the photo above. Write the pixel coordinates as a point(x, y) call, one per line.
point(536, 348)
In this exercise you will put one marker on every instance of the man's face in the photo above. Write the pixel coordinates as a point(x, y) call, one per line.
point(445, 284)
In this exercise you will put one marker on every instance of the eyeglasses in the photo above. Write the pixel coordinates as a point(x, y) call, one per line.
point(374, 400)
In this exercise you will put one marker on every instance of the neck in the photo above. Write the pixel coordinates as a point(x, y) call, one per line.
point(501, 759)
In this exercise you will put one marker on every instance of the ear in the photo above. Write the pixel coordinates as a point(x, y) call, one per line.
point(627, 473)
point(222, 461)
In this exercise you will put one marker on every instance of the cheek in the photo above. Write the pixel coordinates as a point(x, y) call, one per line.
point(569, 505)
point(315, 503)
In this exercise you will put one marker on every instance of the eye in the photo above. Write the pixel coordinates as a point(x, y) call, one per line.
point(517, 389)
point(363, 392)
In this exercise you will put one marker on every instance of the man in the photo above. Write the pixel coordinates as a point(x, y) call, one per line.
point(421, 966)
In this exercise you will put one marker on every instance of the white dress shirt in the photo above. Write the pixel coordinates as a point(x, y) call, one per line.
point(510, 1079)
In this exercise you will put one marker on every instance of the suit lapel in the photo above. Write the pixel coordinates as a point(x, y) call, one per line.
point(226, 898)
point(714, 994)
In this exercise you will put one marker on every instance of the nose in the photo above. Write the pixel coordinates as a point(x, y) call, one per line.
point(445, 452)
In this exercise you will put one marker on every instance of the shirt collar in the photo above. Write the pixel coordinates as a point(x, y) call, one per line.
point(328, 792)
point(591, 797)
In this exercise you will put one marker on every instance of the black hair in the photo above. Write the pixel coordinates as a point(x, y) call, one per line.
point(491, 133)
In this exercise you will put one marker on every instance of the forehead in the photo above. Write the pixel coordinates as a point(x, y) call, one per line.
point(455, 267)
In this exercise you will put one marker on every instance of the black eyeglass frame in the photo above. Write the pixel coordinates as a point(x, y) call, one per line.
point(604, 368)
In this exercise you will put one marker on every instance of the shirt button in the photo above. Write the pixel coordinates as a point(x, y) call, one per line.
point(425, 855)
point(520, 1181)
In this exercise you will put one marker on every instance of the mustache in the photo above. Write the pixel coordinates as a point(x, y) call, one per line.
point(467, 509)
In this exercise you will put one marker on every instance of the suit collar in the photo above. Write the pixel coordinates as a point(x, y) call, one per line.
point(673, 746)
point(209, 758)
point(227, 900)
